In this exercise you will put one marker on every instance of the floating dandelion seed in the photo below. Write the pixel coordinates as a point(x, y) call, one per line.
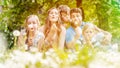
point(16, 33)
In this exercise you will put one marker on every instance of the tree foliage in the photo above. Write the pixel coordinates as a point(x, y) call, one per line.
point(104, 13)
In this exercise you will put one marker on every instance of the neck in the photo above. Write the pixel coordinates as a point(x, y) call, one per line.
point(53, 22)
point(74, 27)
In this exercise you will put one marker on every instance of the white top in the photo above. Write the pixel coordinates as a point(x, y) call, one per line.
point(39, 35)
point(97, 39)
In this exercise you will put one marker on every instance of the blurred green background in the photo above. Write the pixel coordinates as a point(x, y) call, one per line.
point(104, 13)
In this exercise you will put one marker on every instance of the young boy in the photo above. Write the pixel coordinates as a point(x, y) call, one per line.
point(65, 15)
point(73, 34)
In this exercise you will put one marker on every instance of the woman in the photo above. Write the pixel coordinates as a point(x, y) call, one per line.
point(54, 31)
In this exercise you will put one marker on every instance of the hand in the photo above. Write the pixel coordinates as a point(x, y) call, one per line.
point(53, 32)
point(30, 41)
point(78, 32)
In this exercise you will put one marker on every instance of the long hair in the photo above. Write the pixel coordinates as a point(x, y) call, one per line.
point(48, 24)
point(26, 24)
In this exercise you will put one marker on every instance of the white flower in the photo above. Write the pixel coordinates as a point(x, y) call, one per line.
point(16, 33)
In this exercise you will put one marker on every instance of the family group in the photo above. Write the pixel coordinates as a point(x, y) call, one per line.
point(63, 28)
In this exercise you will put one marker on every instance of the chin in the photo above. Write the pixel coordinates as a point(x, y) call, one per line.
point(32, 30)
point(53, 20)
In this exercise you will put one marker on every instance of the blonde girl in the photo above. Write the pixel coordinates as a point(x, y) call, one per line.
point(33, 35)
point(95, 36)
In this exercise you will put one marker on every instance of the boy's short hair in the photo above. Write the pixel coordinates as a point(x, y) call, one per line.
point(64, 8)
point(76, 10)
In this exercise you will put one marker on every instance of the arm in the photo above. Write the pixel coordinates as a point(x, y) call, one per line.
point(78, 32)
point(107, 37)
point(21, 38)
point(61, 40)
point(41, 42)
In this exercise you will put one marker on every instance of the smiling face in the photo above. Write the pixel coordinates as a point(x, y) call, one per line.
point(76, 19)
point(32, 24)
point(53, 15)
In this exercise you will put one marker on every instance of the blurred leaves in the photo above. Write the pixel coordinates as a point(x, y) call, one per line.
point(104, 13)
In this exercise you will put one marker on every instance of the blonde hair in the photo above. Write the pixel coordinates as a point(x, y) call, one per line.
point(26, 23)
point(88, 26)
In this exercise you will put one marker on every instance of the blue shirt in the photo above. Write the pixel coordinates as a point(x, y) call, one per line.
point(70, 33)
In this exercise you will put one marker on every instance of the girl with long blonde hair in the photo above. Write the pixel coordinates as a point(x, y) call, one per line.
point(32, 33)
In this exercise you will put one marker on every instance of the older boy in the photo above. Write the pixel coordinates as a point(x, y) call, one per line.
point(65, 15)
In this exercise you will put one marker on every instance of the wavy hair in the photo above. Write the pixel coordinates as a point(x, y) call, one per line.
point(48, 24)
